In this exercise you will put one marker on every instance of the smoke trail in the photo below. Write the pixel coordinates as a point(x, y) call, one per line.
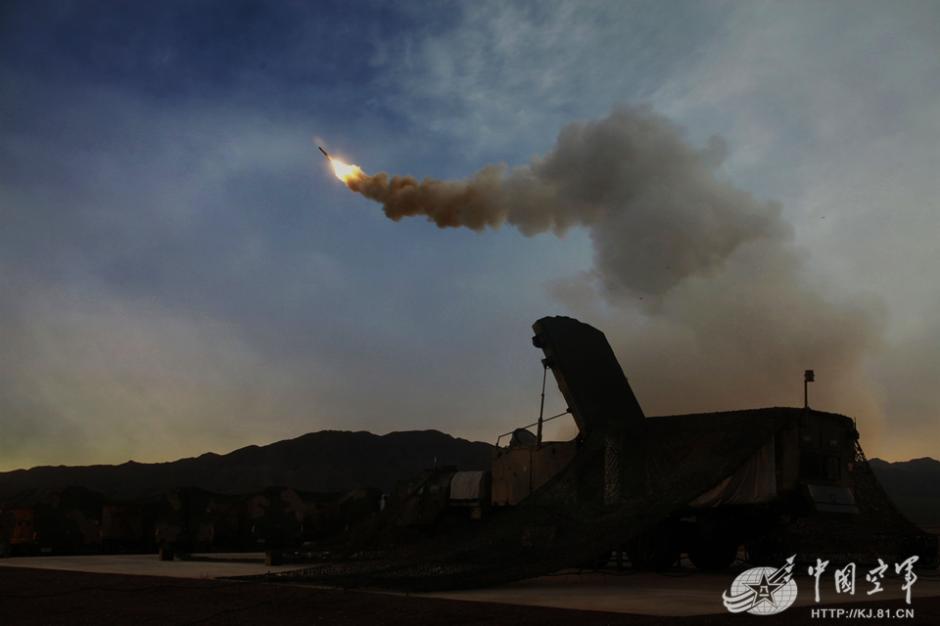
point(656, 210)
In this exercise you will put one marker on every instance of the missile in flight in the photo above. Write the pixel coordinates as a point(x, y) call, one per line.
point(325, 153)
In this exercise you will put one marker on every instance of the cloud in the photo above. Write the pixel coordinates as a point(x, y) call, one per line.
point(532, 66)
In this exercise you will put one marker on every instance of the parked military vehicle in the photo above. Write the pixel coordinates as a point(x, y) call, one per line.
point(773, 481)
point(50, 521)
point(177, 522)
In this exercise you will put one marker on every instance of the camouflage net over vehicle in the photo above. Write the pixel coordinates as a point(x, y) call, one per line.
point(628, 475)
point(567, 523)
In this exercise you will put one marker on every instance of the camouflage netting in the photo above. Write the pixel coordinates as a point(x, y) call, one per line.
point(878, 530)
point(567, 523)
point(629, 475)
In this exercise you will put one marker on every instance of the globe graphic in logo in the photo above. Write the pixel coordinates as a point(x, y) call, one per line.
point(761, 591)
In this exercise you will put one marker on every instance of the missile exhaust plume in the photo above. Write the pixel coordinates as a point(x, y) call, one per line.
point(346, 172)
point(341, 170)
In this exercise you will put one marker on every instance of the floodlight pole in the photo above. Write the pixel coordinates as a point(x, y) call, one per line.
point(808, 377)
point(542, 402)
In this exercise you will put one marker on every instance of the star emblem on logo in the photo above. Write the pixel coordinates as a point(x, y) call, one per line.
point(764, 590)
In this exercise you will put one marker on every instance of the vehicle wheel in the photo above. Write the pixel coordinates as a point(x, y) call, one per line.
point(655, 550)
point(599, 561)
point(766, 551)
point(717, 554)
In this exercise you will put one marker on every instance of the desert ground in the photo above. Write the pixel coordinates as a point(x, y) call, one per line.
point(142, 590)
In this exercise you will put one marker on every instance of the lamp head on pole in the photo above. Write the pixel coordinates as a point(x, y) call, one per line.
point(808, 377)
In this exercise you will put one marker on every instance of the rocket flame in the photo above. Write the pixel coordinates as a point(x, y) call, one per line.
point(345, 171)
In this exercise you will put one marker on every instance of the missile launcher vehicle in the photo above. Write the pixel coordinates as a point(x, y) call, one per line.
point(762, 483)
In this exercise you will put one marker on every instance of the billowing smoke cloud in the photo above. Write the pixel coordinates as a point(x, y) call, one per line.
point(656, 210)
point(706, 295)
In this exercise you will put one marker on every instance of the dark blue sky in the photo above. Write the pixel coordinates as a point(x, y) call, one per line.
point(180, 272)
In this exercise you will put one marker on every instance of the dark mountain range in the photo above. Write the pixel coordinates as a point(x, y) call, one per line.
point(333, 460)
point(324, 461)
point(914, 486)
